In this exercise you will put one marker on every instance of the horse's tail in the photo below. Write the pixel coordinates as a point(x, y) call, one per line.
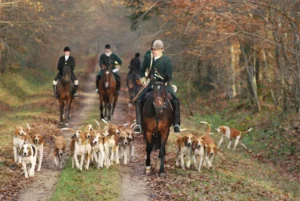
point(156, 141)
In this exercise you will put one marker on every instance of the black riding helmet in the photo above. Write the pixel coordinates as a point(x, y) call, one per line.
point(67, 49)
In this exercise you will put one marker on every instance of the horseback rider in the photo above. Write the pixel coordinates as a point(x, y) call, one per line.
point(156, 67)
point(63, 61)
point(135, 64)
point(106, 59)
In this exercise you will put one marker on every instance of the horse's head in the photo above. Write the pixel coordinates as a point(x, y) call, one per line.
point(159, 97)
point(107, 74)
point(67, 73)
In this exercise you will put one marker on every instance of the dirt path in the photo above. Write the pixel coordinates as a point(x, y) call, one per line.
point(133, 186)
point(44, 182)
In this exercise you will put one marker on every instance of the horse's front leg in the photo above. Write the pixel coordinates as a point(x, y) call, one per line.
point(101, 107)
point(162, 152)
point(68, 112)
point(114, 103)
point(105, 109)
point(149, 149)
point(61, 105)
point(109, 112)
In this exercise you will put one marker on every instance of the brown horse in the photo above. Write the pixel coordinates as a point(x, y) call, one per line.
point(107, 93)
point(64, 88)
point(133, 85)
point(157, 119)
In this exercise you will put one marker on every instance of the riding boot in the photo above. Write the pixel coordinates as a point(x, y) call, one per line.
point(75, 95)
point(97, 81)
point(55, 91)
point(138, 110)
point(118, 86)
point(176, 107)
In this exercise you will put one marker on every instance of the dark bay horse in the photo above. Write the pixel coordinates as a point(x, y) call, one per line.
point(107, 93)
point(157, 119)
point(133, 85)
point(64, 88)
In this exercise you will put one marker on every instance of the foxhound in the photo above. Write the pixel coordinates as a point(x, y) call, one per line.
point(211, 149)
point(184, 147)
point(19, 138)
point(198, 149)
point(28, 154)
point(59, 151)
point(231, 134)
point(38, 141)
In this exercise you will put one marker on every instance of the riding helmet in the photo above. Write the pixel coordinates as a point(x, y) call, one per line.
point(67, 49)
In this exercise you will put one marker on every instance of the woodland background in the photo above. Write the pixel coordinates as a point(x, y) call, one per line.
point(236, 63)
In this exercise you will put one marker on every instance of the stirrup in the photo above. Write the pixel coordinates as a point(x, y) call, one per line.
point(75, 95)
point(137, 128)
point(176, 128)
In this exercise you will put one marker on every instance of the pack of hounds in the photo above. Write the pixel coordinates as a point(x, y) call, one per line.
point(105, 146)
point(204, 147)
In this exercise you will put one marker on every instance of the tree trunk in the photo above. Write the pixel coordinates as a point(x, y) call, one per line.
point(269, 77)
point(233, 72)
point(281, 70)
point(250, 68)
point(297, 59)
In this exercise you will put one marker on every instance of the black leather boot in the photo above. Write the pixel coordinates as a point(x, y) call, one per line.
point(55, 91)
point(97, 81)
point(138, 110)
point(75, 95)
point(176, 107)
point(118, 87)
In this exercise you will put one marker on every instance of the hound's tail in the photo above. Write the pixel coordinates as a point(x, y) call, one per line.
point(98, 124)
point(208, 127)
point(67, 129)
point(28, 126)
point(247, 131)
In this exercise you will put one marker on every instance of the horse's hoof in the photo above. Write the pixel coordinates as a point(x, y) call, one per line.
point(148, 170)
point(162, 174)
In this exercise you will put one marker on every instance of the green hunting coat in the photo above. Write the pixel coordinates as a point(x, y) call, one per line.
point(105, 60)
point(161, 66)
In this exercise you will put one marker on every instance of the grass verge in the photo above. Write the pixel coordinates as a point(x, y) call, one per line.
point(92, 184)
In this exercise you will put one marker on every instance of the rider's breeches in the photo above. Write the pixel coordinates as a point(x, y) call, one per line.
point(59, 75)
point(116, 75)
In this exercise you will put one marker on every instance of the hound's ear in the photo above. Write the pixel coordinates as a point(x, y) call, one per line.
point(194, 145)
point(205, 145)
point(21, 151)
point(185, 139)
